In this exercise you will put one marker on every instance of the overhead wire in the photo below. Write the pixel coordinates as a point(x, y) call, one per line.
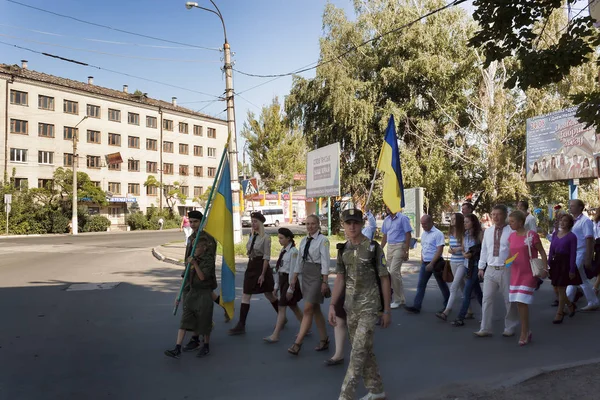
point(111, 28)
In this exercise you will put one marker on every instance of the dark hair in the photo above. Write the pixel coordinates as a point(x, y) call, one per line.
point(502, 208)
point(597, 215)
point(476, 230)
point(571, 220)
point(535, 168)
point(288, 234)
point(469, 204)
point(524, 203)
point(458, 229)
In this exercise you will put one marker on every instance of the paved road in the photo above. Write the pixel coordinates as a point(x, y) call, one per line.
point(108, 344)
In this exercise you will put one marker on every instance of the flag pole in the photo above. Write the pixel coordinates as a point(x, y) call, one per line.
point(202, 223)
point(371, 190)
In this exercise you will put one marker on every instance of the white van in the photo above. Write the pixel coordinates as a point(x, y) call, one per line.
point(273, 215)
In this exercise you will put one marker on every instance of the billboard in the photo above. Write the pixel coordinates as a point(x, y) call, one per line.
point(559, 147)
point(323, 171)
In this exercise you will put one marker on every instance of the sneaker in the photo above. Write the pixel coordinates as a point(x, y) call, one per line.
point(412, 310)
point(590, 307)
point(482, 333)
point(175, 353)
point(373, 396)
point(192, 345)
point(396, 304)
point(204, 351)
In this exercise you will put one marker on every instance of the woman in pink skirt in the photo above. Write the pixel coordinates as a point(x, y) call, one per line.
point(522, 281)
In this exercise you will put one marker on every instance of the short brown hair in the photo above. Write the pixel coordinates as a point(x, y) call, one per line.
point(569, 217)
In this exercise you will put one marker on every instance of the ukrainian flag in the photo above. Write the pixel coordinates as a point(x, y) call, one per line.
point(510, 260)
point(219, 224)
point(389, 164)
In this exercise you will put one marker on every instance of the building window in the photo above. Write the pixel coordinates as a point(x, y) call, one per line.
point(71, 107)
point(45, 183)
point(18, 155)
point(185, 190)
point(114, 167)
point(198, 191)
point(93, 210)
point(18, 126)
point(114, 212)
point(212, 152)
point(151, 190)
point(168, 125)
point(114, 139)
point(69, 132)
point(184, 170)
point(211, 172)
point(133, 188)
point(211, 133)
point(150, 122)
point(198, 151)
point(93, 136)
point(133, 165)
point(21, 183)
point(45, 130)
point(46, 103)
point(133, 119)
point(183, 127)
point(114, 115)
point(151, 166)
point(96, 183)
point(45, 157)
point(151, 144)
point(114, 187)
point(17, 97)
point(198, 171)
point(168, 168)
point(183, 148)
point(168, 147)
point(134, 142)
point(93, 162)
point(197, 130)
point(93, 111)
point(68, 160)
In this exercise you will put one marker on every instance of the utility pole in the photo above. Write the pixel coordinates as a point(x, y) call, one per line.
point(160, 189)
point(74, 221)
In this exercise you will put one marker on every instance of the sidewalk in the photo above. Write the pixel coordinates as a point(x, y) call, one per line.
point(3, 236)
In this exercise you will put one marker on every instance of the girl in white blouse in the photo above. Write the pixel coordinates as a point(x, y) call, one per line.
point(283, 276)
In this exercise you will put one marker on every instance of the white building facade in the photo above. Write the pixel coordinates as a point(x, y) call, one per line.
point(141, 136)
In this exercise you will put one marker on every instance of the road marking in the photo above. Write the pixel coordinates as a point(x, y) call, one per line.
point(76, 287)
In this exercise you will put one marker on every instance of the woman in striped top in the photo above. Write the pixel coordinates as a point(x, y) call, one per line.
point(457, 261)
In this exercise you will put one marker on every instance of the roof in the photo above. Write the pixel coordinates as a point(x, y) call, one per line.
point(28, 74)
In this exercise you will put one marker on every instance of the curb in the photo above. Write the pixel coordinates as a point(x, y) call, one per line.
point(162, 258)
point(50, 235)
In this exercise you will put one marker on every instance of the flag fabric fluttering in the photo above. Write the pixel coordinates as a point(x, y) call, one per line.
point(219, 224)
point(510, 260)
point(389, 164)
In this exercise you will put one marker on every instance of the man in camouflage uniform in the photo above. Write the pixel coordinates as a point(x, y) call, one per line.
point(197, 292)
point(358, 265)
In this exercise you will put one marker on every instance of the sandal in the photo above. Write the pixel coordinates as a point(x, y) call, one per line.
point(458, 322)
point(441, 316)
point(269, 340)
point(572, 309)
point(295, 349)
point(559, 318)
point(331, 362)
point(323, 345)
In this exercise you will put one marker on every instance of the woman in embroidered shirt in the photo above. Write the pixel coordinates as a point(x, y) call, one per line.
point(313, 264)
point(522, 281)
point(284, 269)
point(457, 261)
point(258, 277)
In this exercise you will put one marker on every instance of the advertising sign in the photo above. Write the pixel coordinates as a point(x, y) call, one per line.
point(114, 158)
point(559, 147)
point(323, 171)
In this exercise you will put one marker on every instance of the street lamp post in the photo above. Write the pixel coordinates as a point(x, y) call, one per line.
point(74, 221)
point(232, 145)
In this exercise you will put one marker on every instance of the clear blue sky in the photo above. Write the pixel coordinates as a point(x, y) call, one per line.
point(267, 36)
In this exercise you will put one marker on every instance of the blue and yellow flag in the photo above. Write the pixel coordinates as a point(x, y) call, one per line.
point(389, 164)
point(219, 224)
point(510, 260)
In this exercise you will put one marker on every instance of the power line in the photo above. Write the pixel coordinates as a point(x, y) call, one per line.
point(106, 69)
point(107, 54)
point(356, 47)
point(111, 28)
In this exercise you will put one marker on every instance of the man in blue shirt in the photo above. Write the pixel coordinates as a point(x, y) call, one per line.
point(396, 231)
point(432, 263)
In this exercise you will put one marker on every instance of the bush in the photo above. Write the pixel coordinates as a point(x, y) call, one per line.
point(98, 223)
point(137, 221)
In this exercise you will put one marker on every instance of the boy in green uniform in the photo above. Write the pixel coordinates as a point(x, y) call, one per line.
point(361, 270)
point(197, 292)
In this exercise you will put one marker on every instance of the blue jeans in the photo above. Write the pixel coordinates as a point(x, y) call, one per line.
point(471, 284)
point(424, 277)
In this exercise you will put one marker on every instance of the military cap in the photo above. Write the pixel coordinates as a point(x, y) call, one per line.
point(195, 215)
point(353, 214)
point(258, 216)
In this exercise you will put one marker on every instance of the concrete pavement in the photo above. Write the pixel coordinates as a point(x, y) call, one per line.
point(108, 344)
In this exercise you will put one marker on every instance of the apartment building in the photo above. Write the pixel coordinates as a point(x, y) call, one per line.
point(123, 138)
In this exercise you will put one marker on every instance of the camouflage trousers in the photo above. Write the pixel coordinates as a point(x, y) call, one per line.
point(361, 328)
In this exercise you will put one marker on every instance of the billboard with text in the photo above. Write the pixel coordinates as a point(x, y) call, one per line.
point(323, 171)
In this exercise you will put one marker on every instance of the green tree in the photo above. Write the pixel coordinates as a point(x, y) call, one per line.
point(63, 184)
point(276, 147)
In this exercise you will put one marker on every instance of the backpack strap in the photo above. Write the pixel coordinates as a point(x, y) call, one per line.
point(375, 245)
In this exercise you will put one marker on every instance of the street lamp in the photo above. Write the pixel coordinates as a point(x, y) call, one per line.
point(232, 145)
point(74, 221)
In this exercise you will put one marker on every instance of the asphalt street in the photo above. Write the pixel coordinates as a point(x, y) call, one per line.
point(108, 344)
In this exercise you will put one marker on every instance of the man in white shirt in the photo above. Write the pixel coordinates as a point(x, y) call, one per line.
point(432, 246)
point(584, 230)
point(496, 277)
point(530, 222)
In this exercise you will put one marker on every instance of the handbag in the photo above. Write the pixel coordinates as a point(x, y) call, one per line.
point(447, 274)
point(439, 265)
point(537, 265)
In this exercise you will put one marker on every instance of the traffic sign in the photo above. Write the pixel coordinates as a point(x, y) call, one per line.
point(7, 198)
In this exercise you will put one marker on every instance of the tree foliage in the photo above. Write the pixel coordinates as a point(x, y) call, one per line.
point(276, 147)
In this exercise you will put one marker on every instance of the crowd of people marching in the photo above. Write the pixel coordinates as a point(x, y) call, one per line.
point(501, 254)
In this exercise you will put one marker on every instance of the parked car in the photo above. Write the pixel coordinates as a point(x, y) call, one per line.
point(246, 220)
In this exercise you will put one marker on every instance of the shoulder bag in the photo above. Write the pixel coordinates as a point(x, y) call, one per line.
point(537, 265)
